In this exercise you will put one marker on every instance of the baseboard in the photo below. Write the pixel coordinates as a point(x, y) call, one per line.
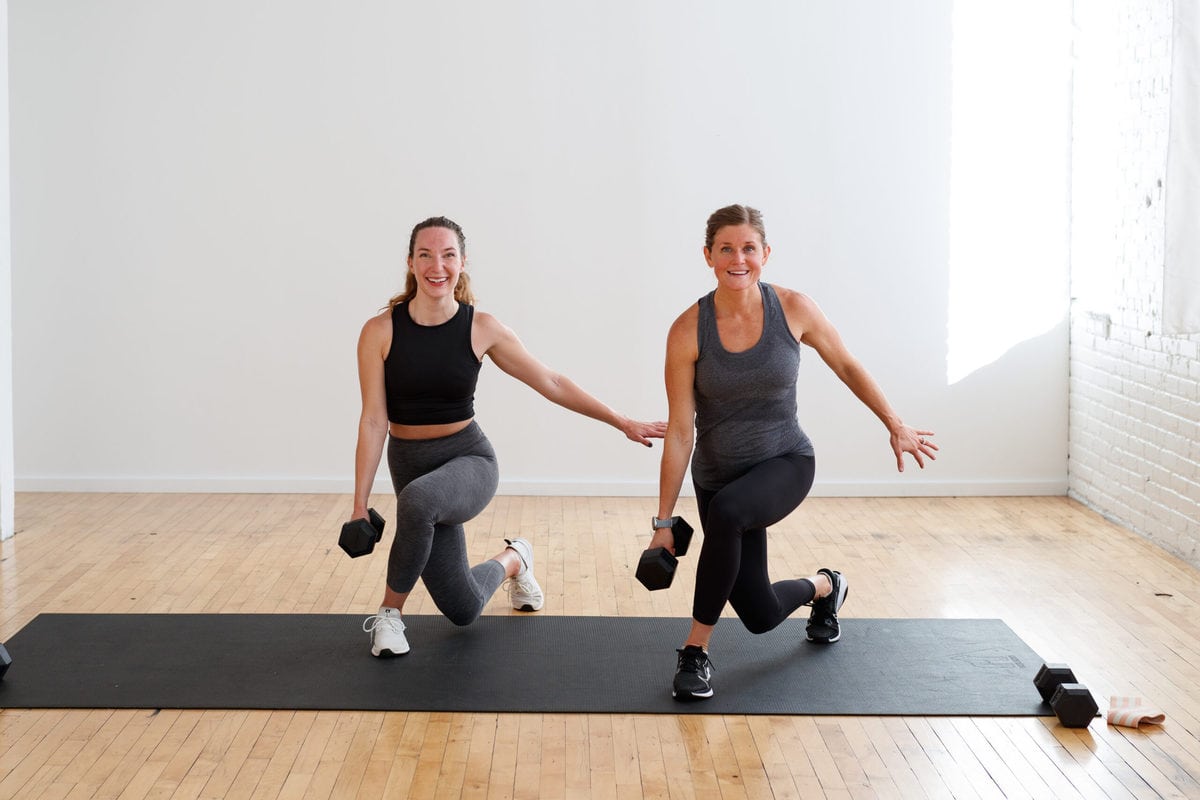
point(904, 488)
point(893, 488)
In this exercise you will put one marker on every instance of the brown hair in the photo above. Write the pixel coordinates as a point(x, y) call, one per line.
point(734, 215)
point(462, 290)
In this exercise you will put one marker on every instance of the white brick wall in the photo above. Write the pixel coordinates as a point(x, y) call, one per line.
point(1134, 450)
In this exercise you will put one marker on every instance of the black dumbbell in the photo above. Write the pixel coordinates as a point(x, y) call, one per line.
point(360, 535)
point(1074, 705)
point(1070, 700)
point(656, 568)
point(5, 661)
point(1050, 677)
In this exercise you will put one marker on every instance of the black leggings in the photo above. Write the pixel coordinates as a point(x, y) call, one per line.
point(733, 560)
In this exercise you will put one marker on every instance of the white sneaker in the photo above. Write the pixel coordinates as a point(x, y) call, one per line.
point(387, 633)
point(523, 588)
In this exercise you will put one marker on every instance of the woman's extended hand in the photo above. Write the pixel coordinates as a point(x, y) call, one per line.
point(643, 432)
point(906, 439)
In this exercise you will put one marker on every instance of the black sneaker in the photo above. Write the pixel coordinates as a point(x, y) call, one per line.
point(823, 625)
point(693, 674)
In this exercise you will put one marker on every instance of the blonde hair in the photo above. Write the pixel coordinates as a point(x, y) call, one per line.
point(462, 289)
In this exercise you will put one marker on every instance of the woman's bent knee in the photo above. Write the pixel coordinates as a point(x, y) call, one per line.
point(759, 625)
point(462, 618)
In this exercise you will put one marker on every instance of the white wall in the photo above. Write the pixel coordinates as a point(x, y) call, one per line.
point(210, 198)
point(1135, 393)
point(7, 466)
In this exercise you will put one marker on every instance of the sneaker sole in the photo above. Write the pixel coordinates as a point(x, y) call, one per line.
point(686, 696)
point(527, 607)
point(387, 653)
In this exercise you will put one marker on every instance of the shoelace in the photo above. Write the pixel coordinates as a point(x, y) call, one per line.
point(515, 584)
point(824, 611)
point(520, 582)
point(693, 662)
point(392, 624)
point(823, 605)
point(826, 605)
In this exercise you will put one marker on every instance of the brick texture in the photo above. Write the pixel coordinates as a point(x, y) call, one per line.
point(1134, 452)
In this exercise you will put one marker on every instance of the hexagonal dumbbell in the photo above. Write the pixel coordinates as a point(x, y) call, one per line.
point(1074, 705)
point(360, 535)
point(1070, 700)
point(1049, 677)
point(656, 568)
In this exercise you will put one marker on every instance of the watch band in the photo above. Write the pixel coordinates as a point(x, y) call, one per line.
point(657, 523)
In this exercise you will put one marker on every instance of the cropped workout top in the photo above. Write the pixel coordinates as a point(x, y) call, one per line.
point(431, 370)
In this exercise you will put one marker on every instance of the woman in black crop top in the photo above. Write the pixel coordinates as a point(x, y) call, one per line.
point(418, 363)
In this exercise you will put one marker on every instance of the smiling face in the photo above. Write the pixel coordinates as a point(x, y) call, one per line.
point(436, 262)
point(737, 256)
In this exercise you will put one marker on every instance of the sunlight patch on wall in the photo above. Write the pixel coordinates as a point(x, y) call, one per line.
point(1009, 177)
point(1095, 145)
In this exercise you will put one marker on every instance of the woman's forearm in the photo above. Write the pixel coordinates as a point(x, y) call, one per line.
point(367, 454)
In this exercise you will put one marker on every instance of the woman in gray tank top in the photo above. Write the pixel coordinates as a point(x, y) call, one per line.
point(732, 361)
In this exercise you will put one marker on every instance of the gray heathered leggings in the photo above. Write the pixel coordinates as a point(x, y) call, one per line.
point(440, 484)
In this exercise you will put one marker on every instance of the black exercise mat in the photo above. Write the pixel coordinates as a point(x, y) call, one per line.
point(926, 667)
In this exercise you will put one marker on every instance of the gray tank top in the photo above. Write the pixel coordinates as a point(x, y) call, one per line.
point(745, 402)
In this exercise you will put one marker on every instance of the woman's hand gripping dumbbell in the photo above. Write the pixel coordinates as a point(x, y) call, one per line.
point(360, 535)
point(656, 568)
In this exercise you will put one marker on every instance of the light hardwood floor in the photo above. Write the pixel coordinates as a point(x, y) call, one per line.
point(1076, 588)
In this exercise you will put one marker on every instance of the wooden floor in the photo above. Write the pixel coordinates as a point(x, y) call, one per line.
point(1125, 615)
